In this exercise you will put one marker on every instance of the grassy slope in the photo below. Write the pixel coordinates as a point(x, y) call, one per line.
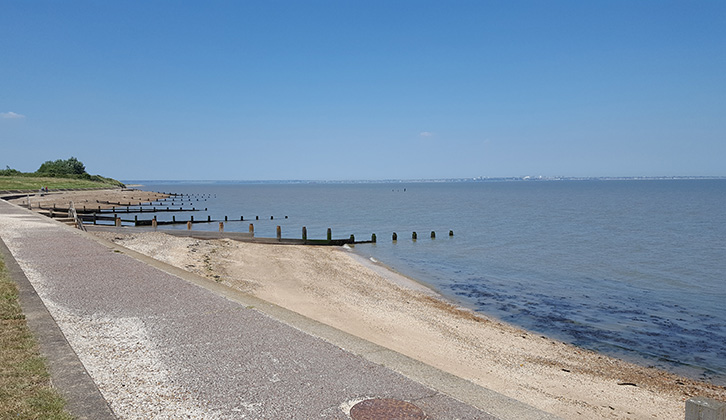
point(25, 390)
point(35, 183)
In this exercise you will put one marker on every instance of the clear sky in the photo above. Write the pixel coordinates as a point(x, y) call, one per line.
point(344, 89)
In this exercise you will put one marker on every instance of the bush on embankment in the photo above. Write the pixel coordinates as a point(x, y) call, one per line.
point(59, 174)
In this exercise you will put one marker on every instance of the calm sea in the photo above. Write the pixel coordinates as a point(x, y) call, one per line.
point(634, 269)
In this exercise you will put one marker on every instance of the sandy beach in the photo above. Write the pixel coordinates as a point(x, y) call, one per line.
point(339, 288)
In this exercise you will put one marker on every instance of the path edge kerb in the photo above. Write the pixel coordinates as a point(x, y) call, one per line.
point(492, 402)
point(68, 375)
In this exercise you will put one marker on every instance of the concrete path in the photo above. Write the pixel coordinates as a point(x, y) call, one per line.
point(159, 342)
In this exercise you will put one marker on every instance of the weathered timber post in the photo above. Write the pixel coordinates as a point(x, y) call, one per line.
point(352, 238)
point(304, 233)
point(136, 219)
point(191, 219)
point(173, 219)
point(279, 233)
point(414, 236)
point(209, 218)
point(252, 229)
point(257, 217)
point(272, 217)
point(373, 238)
point(118, 222)
point(94, 218)
point(153, 222)
point(395, 237)
point(189, 225)
point(433, 235)
point(451, 233)
point(221, 226)
point(225, 218)
point(702, 408)
point(241, 218)
point(330, 234)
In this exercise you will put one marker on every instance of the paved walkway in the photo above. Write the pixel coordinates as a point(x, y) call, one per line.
point(159, 342)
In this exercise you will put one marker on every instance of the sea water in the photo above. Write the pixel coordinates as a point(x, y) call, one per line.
point(634, 269)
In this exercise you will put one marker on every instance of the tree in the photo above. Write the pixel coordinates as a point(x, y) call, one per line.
point(61, 167)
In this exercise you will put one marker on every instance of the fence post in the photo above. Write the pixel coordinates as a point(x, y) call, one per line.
point(279, 233)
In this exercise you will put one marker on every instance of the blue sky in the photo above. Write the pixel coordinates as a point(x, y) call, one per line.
point(336, 90)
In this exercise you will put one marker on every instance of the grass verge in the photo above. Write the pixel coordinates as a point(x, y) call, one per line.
point(12, 182)
point(25, 389)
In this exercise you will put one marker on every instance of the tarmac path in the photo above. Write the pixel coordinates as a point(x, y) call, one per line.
point(162, 343)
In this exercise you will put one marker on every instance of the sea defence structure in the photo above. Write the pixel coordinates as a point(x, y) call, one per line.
point(157, 339)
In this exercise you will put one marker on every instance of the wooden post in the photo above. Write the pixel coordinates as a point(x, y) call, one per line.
point(189, 225)
point(395, 237)
point(252, 229)
point(352, 238)
point(414, 236)
point(279, 233)
point(136, 219)
point(451, 233)
point(304, 233)
point(221, 226)
point(209, 218)
point(225, 218)
point(373, 238)
point(330, 234)
point(153, 222)
point(272, 217)
point(94, 218)
point(118, 222)
point(257, 217)
point(241, 218)
point(173, 219)
point(191, 219)
point(433, 235)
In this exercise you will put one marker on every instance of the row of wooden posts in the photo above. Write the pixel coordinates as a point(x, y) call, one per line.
point(394, 237)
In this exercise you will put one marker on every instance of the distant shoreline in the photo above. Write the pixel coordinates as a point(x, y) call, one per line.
point(140, 183)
